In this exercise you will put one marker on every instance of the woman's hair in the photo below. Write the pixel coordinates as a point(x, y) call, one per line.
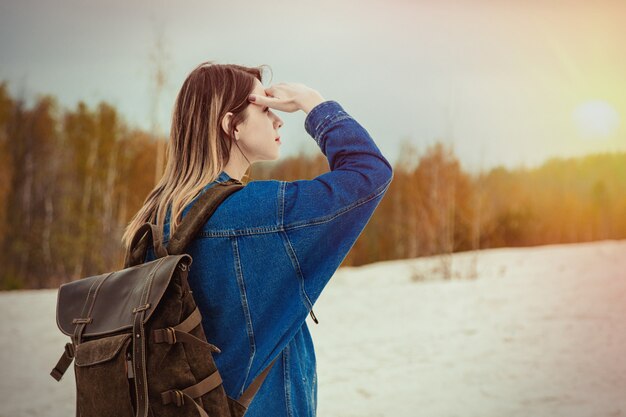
point(198, 148)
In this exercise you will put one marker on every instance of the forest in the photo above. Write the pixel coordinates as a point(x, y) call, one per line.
point(71, 179)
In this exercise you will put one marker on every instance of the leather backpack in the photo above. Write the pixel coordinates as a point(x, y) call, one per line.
point(138, 346)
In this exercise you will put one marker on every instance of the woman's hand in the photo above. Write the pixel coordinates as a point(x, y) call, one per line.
point(288, 97)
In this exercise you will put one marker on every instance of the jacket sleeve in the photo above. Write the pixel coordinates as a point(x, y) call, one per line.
point(323, 217)
point(319, 222)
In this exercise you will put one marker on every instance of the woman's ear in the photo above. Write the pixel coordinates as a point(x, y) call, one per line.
point(226, 121)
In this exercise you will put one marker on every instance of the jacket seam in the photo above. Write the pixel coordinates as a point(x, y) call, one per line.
point(281, 203)
point(246, 309)
point(314, 130)
point(325, 219)
point(326, 124)
point(287, 379)
point(281, 227)
point(296, 264)
point(294, 256)
point(309, 117)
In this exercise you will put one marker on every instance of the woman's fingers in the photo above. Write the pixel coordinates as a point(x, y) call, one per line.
point(271, 90)
point(278, 103)
point(271, 99)
point(288, 97)
point(263, 101)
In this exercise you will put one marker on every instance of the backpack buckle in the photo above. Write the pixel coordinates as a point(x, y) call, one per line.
point(141, 308)
point(69, 350)
point(166, 335)
point(180, 398)
point(173, 396)
point(171, 335)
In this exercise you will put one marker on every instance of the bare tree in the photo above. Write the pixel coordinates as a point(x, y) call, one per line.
point(159, 59)
point(85, 203)
point(477, 209)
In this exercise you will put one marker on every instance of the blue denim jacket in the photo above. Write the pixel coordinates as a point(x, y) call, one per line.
point(268, 251)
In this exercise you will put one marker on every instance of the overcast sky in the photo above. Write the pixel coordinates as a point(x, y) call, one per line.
point(505, 82)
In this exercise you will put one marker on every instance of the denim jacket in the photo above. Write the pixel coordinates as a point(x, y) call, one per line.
point(264, 257)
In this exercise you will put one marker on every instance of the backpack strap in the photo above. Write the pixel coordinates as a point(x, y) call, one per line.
point(151, 235)
point(191, 224)
point(248, 395)
point(64, 362)
point(200, 213)
point(147, 235)
point(211, 382)
point(180, 333)
point(178, 396)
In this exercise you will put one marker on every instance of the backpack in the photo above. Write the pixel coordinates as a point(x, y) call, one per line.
point(138, 346)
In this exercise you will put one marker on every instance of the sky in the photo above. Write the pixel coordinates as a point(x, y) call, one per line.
point(509, 83)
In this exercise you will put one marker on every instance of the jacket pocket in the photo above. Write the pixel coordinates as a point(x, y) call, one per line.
point(102, 384)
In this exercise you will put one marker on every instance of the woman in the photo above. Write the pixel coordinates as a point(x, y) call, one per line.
point(264, 257)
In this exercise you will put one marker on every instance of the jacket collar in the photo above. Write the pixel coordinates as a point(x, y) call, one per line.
point(222, 177)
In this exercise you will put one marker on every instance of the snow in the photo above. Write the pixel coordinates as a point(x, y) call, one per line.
point(540, 332)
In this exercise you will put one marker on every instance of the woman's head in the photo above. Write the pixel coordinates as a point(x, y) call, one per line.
point(211, 114)
point(256, 136)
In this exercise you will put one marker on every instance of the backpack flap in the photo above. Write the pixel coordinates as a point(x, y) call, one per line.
point(107, 303)
point(99, 351)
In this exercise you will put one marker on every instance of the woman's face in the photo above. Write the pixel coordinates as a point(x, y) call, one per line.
point(257, 135)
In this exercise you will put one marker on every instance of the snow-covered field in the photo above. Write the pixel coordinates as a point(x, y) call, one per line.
point(540, 332)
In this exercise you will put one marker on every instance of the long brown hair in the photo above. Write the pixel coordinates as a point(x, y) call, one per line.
point(198, 148)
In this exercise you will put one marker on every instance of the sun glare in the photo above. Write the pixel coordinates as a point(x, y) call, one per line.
point(595, 119)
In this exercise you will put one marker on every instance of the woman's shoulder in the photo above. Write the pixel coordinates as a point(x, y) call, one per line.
point(253, 207)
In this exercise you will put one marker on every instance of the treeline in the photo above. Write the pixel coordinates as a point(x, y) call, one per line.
point(71, 179)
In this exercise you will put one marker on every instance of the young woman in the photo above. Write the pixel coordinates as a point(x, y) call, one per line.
point(264, 257)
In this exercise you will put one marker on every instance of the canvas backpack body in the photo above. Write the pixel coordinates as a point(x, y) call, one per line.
point(138, 346)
